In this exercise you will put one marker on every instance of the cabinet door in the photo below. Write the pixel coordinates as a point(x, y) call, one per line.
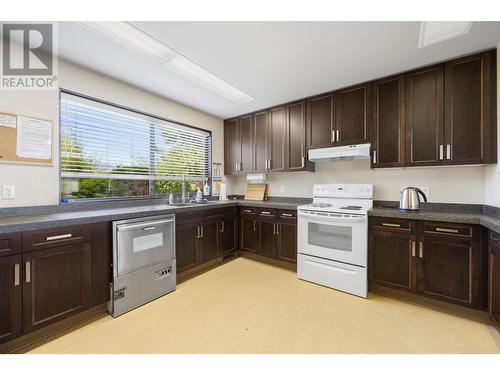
point(10, 297)
point(296, 127)
point(261, 141)
point(449, 269)
point(185, 246)
point(228, 230)
point(287, 242)
point(469, 116)
point(353, 115)
point(319, 121)
point(277, 127)
point(208, 241)
point(56, 284)
point(425, 116)
point(246, 162)
point(388, 146)
point(391, 259)
point(249, 233)
point(267, 244)
point(232, 146)
point(494, 276)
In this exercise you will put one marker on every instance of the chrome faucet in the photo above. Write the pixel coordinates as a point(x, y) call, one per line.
point(183, 196)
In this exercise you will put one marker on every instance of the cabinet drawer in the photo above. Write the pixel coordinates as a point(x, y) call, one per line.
point(248, 210)
point(266, 212)
point(48, 238)
point(287, 215)
point(391, 224)
point(10, 244)
point(448, 229)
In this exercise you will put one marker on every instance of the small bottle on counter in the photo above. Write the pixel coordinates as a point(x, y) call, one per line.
point(206, 189)
point(171, 199)
point(199, 196)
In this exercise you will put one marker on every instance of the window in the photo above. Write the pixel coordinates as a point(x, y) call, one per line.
point(107, 151)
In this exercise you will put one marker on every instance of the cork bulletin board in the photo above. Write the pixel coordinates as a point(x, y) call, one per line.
point(25, 139)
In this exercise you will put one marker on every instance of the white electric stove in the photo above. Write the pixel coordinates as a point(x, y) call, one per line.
point(333, 237)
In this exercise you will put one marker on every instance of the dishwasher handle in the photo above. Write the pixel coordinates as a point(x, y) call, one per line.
point(147, 225)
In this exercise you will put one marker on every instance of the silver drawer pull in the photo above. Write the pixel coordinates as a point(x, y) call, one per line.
point(28, 272)
point(248, 211)
point(265, 213)
point(287, 215)
point(59, 237)
point(391, 225)
point(446, 230)
point(16, 274)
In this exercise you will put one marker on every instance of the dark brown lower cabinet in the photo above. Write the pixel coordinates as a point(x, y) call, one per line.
point(202, 239)
point(56, 284)
point(270, 233)
point(267, 243)
point(185, 246)
point(287, 241)
point(10, 297)
point(442, 261)
point(494, 276)
point(390, 259)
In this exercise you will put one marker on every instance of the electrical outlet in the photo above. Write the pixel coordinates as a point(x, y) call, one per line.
point(8, 192)
point(282, 188)
point(426, 190)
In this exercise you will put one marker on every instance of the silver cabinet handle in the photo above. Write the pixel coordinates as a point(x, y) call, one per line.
point(198, 234)
point(59, 237)
point(333, 136)
point(338, 135)
point(248, 211)
point(222, 226)
point(446, 230)
point(391, 225)
point(28, 271)
point(413, 248)
point(286, 215)
point(236, 168)
point(270, 160)
point(421, 250)
point(278, 228)
point(303, 162)
point(374, 157)
point(441, 152)
point(254, 225)
point(266, 213)
point(16, 274)
point(448, 151)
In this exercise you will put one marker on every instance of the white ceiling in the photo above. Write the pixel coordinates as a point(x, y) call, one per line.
point(274, 62)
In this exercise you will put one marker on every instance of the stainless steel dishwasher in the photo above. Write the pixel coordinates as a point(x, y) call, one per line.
point(143, 261)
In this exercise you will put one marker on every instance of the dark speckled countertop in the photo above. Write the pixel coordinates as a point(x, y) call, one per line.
point(32, 218)
point(24, 219)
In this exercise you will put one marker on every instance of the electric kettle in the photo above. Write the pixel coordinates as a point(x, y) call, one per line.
point(409, 199)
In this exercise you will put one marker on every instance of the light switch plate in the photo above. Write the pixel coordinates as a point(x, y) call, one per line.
point(8, 192)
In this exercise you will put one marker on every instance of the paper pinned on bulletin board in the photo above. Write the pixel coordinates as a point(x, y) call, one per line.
point(34, 138)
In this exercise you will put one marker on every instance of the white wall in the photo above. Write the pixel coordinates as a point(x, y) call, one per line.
point(492, 174)
point(447, 184)
point(39, 185)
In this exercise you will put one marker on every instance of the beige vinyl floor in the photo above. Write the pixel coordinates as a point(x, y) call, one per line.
point(245, 306)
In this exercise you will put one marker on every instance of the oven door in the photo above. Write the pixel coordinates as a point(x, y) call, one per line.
point(334, 236)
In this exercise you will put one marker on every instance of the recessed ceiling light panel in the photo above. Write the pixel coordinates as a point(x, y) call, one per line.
point(432, 32)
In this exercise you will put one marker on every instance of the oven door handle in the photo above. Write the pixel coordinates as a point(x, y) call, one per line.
point(340, 219)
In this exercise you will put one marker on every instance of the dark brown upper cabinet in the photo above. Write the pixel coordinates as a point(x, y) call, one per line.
point(238, 145)
point(261, 141)
point(388, 139)
point(232, 146)
point(352, 115)
point(470, 109)
point(425, 116)
point(296, 132)
point(278, 139)
point(319, 121)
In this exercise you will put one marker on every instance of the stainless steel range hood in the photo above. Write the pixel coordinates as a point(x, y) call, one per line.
point(353, 152)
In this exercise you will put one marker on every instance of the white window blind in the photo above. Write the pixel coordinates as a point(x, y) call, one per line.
point(103, 141)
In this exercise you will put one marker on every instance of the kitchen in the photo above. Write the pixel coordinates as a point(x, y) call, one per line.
point(171, 212)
